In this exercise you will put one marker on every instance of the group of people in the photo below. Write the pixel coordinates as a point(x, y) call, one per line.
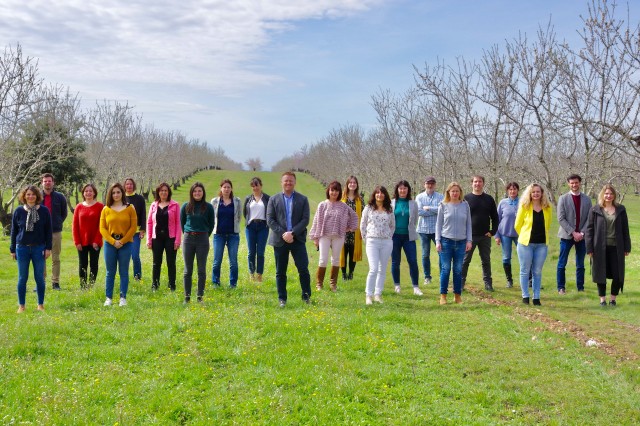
point(388, 226)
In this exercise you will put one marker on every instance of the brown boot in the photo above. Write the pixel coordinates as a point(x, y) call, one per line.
point(458, 299)
point(320, 277)
point(333, 281)
point(443, 299)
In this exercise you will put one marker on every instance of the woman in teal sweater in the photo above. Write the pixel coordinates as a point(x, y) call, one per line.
point(197, 221)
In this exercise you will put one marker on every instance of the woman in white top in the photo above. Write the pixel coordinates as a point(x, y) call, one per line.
point(256, 230)
point(377, 227)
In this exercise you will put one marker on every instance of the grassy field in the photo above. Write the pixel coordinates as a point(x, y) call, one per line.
point(238, 359)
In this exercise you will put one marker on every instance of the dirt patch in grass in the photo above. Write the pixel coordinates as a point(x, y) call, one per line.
point(586, 338)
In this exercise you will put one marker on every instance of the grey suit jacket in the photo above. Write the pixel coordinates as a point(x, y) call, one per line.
point(277, 219)
point(567, 215)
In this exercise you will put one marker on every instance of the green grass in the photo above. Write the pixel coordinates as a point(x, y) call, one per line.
point(238, 359)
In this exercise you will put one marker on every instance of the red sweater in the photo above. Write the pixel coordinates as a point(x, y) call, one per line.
point(86, 225)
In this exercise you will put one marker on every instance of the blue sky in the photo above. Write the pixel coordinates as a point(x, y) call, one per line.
point(261, 78)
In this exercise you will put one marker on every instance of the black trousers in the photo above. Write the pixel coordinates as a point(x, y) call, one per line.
point(611, 260)
point(88, 257)
point(159, 245)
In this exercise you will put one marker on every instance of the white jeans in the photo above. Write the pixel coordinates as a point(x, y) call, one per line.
point(378, 254)
point(334, 243)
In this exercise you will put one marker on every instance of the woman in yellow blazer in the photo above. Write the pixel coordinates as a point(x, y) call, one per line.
point(532, 225)
point(352, 248)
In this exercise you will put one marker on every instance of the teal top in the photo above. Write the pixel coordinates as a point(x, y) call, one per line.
point(198, 221)
point(401, 212)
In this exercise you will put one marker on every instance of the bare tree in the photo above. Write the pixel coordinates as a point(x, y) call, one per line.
point(254, 164)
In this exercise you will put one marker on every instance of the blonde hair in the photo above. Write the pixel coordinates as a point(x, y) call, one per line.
point(525, 199)
point(601, 195)
point(447, 197)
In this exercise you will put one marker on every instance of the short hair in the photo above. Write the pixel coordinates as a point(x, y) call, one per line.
point(574, 176)
point(477, 177)
point(135, 186)
point(159, 187)
point(601, 195)
point(33, 189)
point(47, 175)
point(387, 200)
point(110, 194)
point(399, 184)
point(93, 187)
point(447, 195)
point(222, 182)
point(512, 184)
point(335, 185)
point(289, 173)
point(525, 200)
point(255, 181)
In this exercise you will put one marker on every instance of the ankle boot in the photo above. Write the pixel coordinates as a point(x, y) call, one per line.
point(443, 299)
point(320, 277)
point(458, 298)
point(507, 273)
point(333, 280)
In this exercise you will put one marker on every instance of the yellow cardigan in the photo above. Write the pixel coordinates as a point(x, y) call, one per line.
point(357, 250)
point(124, 222)
point(524, 223)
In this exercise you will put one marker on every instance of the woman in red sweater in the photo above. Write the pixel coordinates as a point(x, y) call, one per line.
point(86, 234)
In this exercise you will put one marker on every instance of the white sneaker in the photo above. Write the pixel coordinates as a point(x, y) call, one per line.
point(377, 298)
point(123, 301)
point(417, 292)
point(108, 302)
point(427, 281)
point(368, 301)
point(397, 289)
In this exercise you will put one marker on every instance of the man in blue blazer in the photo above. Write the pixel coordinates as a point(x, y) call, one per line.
point(287, 218)
point(573, 212)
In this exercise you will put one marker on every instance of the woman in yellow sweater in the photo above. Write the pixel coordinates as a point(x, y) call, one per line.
point(118, 224)
point(532, 225)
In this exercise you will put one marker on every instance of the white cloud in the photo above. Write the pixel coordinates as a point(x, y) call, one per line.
point(208, 45)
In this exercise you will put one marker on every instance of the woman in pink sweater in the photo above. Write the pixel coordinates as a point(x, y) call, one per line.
point(164, 234)
point(86, 234)
point(332, 221)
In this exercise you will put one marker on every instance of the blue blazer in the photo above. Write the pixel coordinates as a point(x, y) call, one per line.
point(277, 219)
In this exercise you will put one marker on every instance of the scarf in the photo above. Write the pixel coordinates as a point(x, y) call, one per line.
point(32, 216)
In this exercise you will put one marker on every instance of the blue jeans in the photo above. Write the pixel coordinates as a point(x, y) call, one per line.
point(117, 260)
point(426, 240)
point(135, 256)
point(401, 242)
point(299, 252)
point(26, 255)
point(531, 259)
point(232, 241)
point(507, 244)
point(257, 233)
point(453, 252)
point(563, 257)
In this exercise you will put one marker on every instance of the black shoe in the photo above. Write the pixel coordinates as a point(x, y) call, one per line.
point(612, 303)
point(187, 299)
point(199, 299)
point(350, 276)
point(344, 276)
point(55, 286)
point(282, 303)
point(581, 289)
point(307, 300)
point(172, 288)
point(525, 300)
point(137, 277)
point(536, 302)
point(488, 287)
point(509, 284)
point(603, 304)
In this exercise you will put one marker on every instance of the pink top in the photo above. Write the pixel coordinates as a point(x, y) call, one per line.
point(333, 219)
point(86, 225)
point(174, 222)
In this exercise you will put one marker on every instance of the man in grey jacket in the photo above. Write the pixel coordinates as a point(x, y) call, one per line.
point(573, 212)
point(287, 218)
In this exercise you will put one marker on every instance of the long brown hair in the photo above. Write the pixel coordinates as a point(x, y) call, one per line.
point(386, 204)
point(191, 206)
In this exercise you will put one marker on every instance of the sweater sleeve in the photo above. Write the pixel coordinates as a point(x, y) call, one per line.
point(133, 224)
point(75, 225)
